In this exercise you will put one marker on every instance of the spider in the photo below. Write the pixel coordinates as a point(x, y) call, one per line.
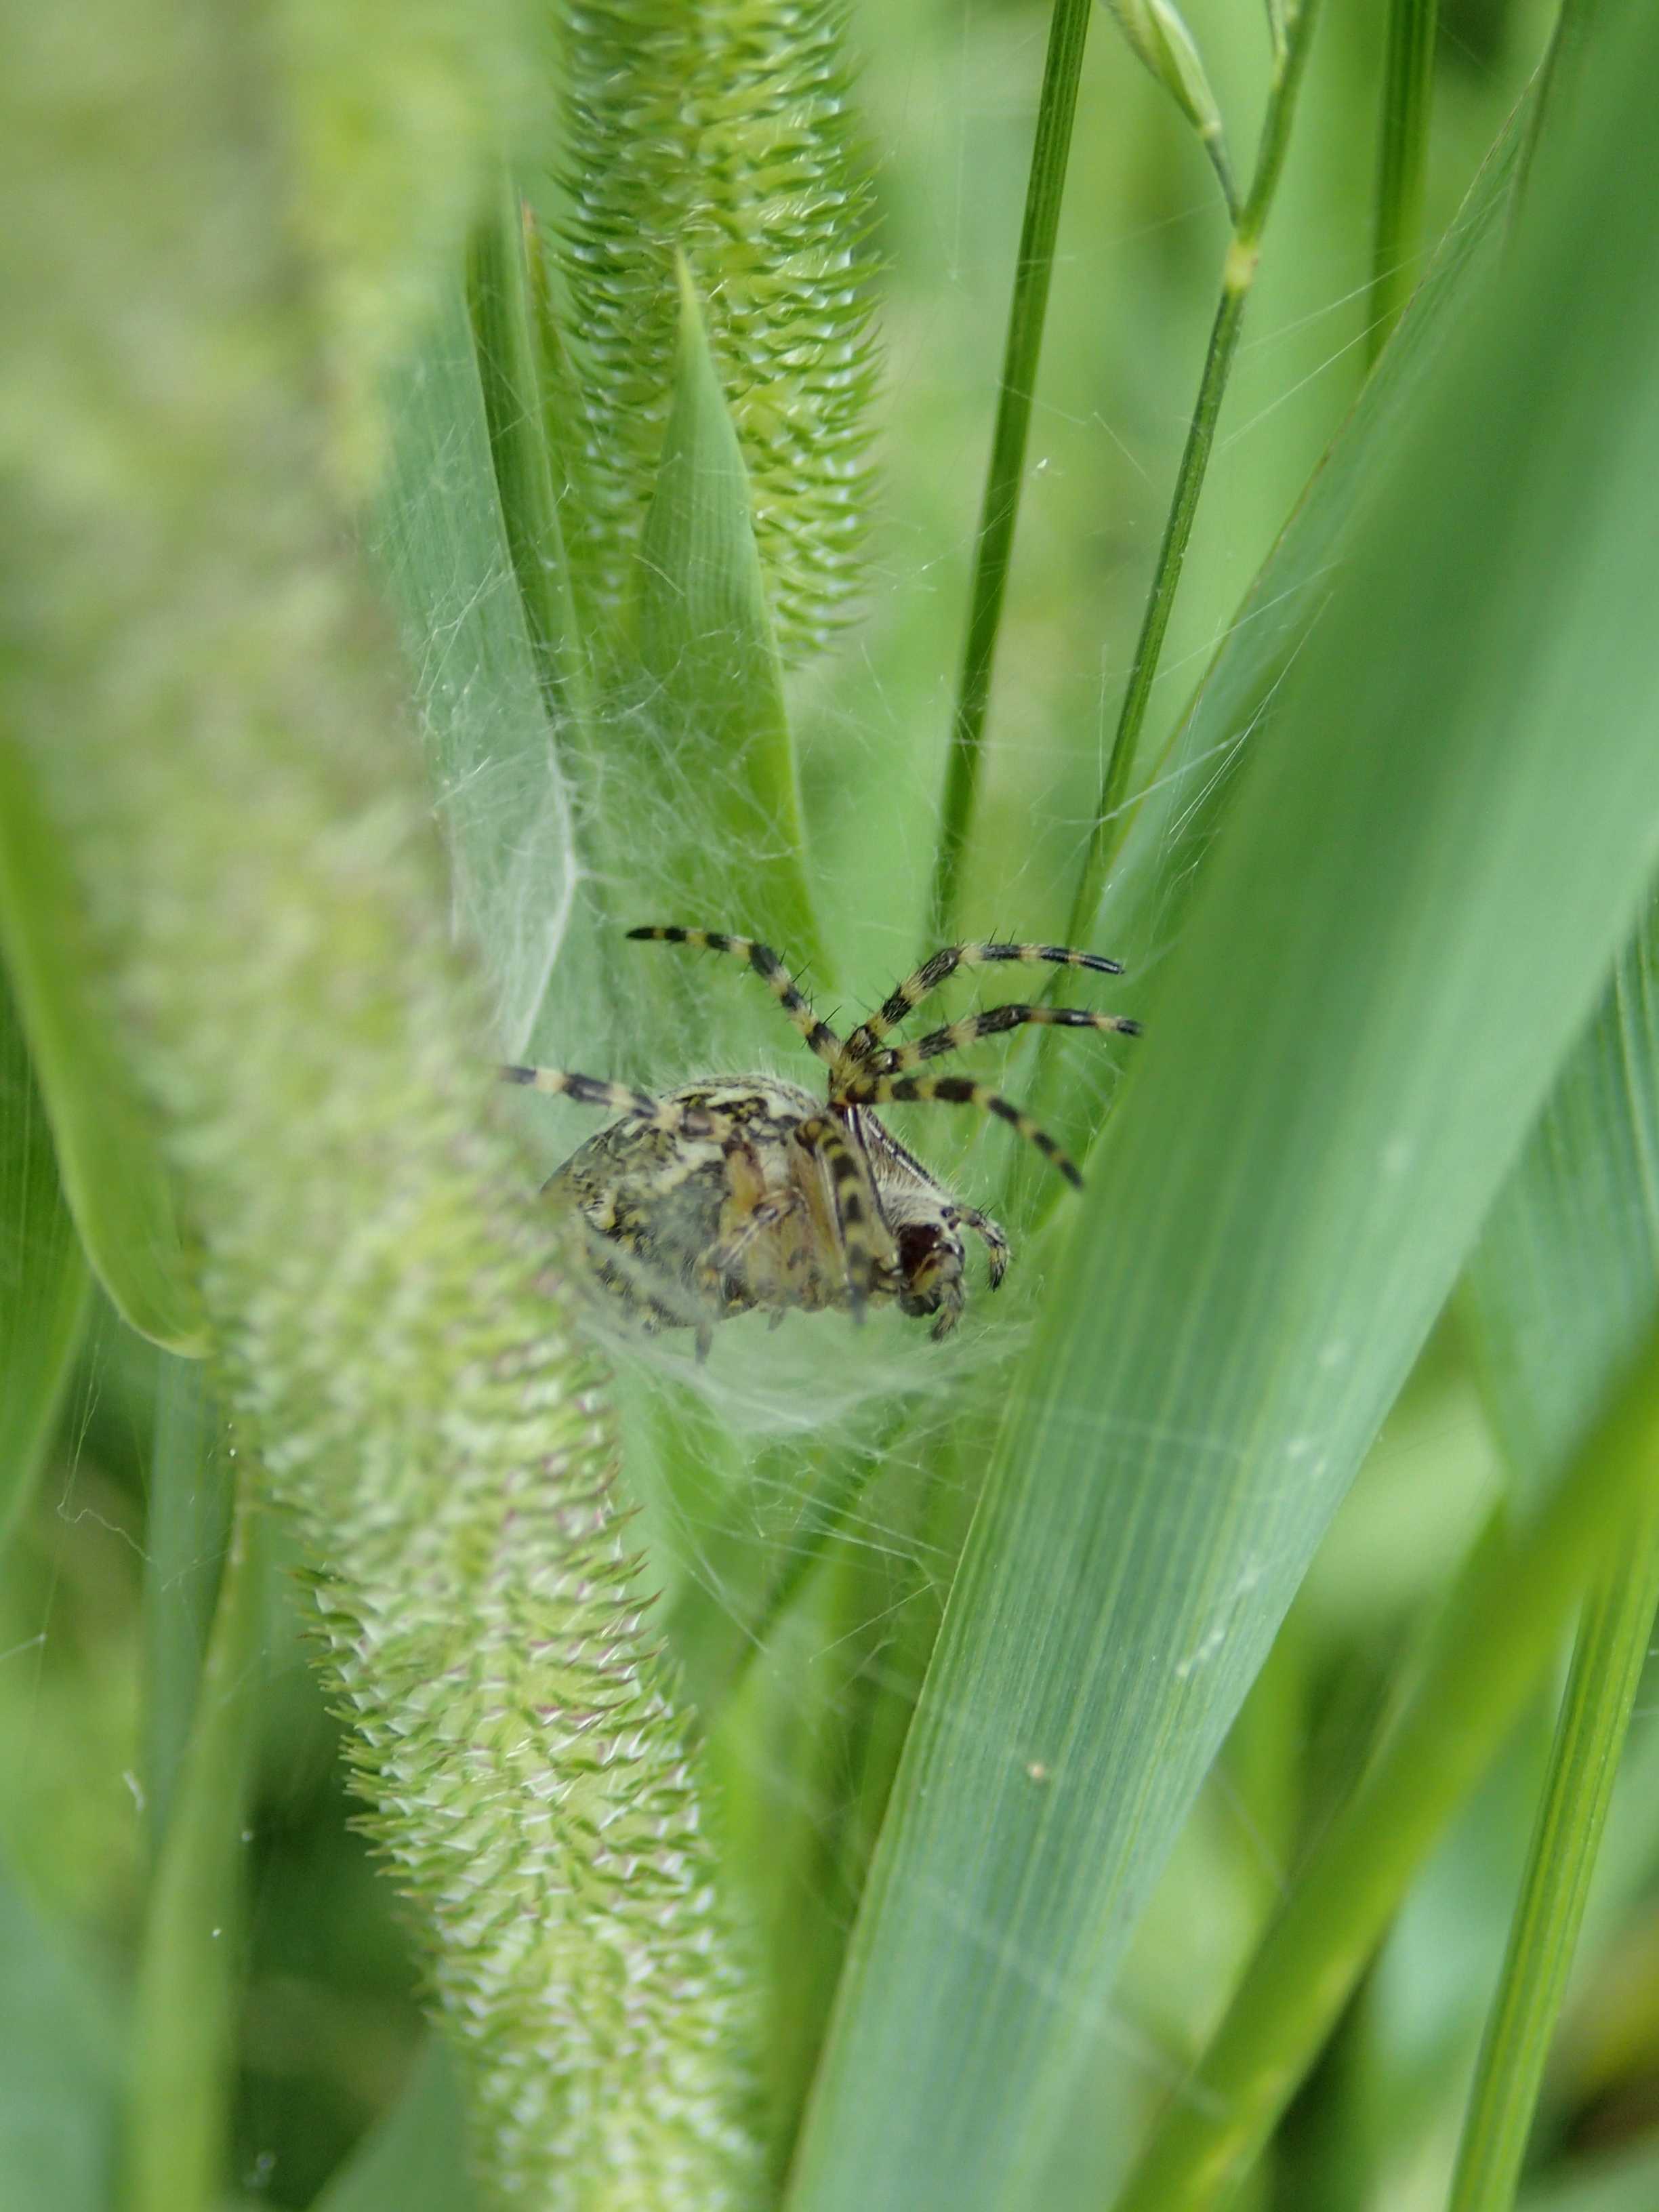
point(740, 1192)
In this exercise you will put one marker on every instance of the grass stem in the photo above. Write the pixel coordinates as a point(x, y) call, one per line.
point(1606, 1667)
point(999, 508)
point(1237, 276)
point(1407, 101)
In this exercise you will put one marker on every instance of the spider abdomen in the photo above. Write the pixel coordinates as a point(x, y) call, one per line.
point(691, 1226)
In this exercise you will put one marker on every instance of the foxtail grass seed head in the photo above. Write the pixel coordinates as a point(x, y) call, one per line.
point(724, 132)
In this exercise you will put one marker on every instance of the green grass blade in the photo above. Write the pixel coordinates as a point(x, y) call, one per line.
point(1069, 28)
point(184, 2062)
point(1596, 1710)
point(43, 1274)
point(1408, 90)
point(1238, 278)
point(186, 1529)
point(501, 789)
point(705, 643)
point(108, 1155)
point(499, 296)
point(1565, 1285)
point(1392, 950)
point(1499, 1629)
point(414, 2161)
point(1149, 872)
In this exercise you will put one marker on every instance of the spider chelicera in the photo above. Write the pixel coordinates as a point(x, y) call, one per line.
point(741, 1192)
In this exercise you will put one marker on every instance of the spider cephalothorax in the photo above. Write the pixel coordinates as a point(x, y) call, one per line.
point(742, 1193)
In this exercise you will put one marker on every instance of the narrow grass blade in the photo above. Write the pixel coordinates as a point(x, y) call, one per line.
point(109, 1156)
point(178, 2112)
point(1407, 90)
point(1498, 1631)
point(502, 788)
point(187, 1529)
point(414, 2161)
point(1565, 1285)
point(1069, 28)
point(1296, 1174)
point(498, 295)
point(43, 1274)
point(1607, 1668)
point(58, 2086)
point(705, 643)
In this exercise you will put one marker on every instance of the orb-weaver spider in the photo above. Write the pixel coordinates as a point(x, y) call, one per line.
point(742, 1192)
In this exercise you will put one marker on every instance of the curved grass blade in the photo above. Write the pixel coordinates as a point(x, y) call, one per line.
point(501, 787)
point(178, 2116)
point(498, 293)
point(707, 647)
point(43, 1274)
point(1298, 1169)
point(114, 1179)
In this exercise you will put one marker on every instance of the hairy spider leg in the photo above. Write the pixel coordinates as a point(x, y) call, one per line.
point(852, 1200)
point(991, 1234)
point(770, 970)
point(616, 1098)
point(960, 1090)
point(991, 1022)
point(906, 996)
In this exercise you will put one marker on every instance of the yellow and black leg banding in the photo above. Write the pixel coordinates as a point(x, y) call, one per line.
point(995, 1021)
point(615, 1098)
point(852, 1200)
point(961, 1091)
point(770, 970)
point(984, 953)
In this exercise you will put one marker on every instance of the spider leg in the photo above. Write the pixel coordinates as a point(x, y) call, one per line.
point(616, 1098)
point(909, 994)
point(959, 1091)
point(992, 1023)
point(770, 970)
point(764, 1216)
point(759, 1211)
point(991, 1234)
point(853, 1202)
